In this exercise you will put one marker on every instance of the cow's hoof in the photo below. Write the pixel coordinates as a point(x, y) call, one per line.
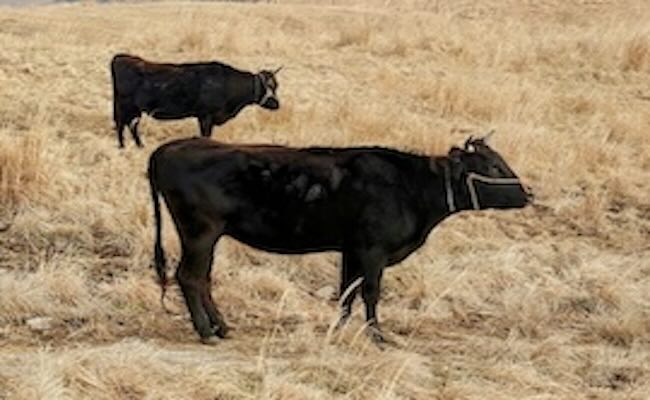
point(377, 337)
point(221, 330)
point(210, 340)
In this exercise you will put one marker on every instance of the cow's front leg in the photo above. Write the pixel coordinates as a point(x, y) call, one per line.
point(205, 125)
point(370, 289)
point(133, 127)
point(349, 287)
point(371, 264)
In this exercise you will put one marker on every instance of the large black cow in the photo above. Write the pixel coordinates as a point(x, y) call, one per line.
point(212, 92)
point(374, 205)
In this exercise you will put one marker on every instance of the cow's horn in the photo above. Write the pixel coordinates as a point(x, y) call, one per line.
point(278, 70)
point(468, 143)
point(488, 135)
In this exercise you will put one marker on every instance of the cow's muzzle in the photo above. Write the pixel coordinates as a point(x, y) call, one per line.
point(271, 103)
point(530, 196)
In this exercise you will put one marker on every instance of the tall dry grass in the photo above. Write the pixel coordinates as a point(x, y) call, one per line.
point(550, 302)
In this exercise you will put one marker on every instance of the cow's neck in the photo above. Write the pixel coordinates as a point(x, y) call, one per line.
point(447, 194)
point(243, 94)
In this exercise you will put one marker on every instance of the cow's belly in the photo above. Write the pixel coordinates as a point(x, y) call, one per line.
point(286, 245)
point(170, 113)
point(287, 234)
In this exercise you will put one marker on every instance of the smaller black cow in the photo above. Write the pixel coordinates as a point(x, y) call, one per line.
point(374, 205)
point(210, 91)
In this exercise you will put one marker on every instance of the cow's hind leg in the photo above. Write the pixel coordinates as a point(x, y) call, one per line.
point(120, 124)
point(217, 323)
point(119, 128)
point(193, 277)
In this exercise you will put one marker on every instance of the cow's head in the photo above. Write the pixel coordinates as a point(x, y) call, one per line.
point(485, 178)
point(265, 88)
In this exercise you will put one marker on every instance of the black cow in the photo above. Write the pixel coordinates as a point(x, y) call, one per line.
point(212, 92)
point(374, 205)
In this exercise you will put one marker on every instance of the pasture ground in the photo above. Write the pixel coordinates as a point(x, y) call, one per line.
point(550, 302)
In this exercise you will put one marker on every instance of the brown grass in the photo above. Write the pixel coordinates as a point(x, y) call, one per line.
point(551, 302)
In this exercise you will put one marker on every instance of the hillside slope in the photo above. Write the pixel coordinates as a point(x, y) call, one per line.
point(550, 302)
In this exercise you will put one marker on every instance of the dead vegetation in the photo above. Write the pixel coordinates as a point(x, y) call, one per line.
point(548, 302)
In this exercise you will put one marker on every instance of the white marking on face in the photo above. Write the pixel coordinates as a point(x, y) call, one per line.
point(269, 94)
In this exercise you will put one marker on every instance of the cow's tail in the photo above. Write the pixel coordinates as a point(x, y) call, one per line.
point(115, 96)
point(160, 262)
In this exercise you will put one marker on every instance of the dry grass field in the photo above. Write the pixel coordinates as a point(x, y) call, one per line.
point(548, 302)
